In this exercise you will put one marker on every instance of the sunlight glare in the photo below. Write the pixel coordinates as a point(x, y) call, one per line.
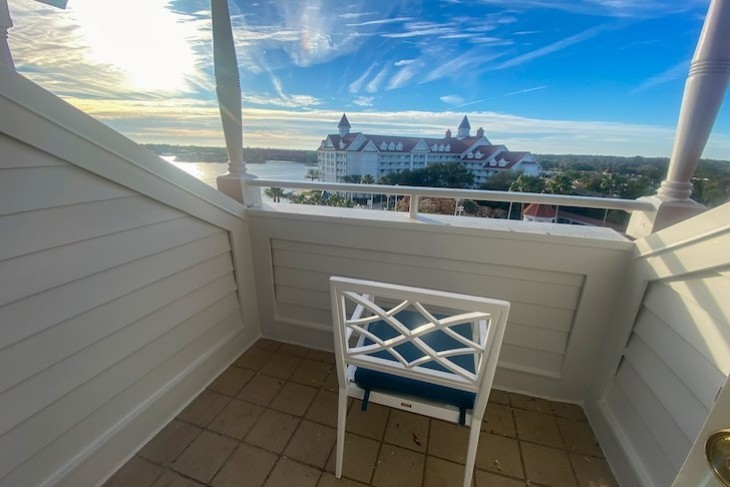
point(143, 39)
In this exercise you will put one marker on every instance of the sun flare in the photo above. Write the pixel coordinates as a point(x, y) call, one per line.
point(142, 39)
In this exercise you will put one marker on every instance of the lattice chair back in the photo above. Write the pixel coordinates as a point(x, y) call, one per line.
point(438, 350)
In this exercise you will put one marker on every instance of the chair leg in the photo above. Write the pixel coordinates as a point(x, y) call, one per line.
point(471, 453)
point(341, 424)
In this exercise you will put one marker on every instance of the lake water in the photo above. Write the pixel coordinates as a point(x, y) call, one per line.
point(208, 171)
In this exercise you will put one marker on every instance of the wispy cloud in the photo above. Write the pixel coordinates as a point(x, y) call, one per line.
point(356, 85)
point(526, 90)
point(605, 8)
point(677, 71)
point(364, 101)
point(374, 84)
point(403, 62)
point(555, 46)
point(404, 75)
point(452, 99)
point(395, 20)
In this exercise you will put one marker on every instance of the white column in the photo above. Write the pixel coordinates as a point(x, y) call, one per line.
point(704, 91)
point(6, 58)
point(228, 90)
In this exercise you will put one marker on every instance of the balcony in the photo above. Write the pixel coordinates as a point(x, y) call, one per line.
point(152, 329)
point(270, 419)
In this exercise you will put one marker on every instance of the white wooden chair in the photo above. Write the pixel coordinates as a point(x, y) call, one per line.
point(428, 352)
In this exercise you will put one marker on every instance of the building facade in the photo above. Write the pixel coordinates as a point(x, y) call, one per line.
point(347, 153)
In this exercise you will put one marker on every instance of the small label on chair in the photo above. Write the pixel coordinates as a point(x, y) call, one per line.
point(406, 405)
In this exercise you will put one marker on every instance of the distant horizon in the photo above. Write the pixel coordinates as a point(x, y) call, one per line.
point(222, 147)
point(562, 77)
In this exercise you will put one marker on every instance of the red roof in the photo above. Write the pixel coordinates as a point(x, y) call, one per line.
point(540, 211)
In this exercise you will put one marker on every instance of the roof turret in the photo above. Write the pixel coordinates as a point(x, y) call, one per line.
point(345, 123)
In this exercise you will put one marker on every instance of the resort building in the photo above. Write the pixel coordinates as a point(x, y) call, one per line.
point(346, 153)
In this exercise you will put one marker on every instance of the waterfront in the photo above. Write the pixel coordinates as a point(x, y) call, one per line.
point(208, 171)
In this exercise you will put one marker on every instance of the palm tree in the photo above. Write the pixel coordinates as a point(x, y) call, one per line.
point(526, 184)
point(275, 194)
point(369, 179)
point(559, 184)
point(313, 173)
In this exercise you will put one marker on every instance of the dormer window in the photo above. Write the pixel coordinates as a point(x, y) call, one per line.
point(399, 146)
point(383, 145)
point(447, 148)
point(434, 147)
point(391, 146)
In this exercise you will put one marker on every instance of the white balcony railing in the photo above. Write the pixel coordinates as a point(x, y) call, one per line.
point(417, 192)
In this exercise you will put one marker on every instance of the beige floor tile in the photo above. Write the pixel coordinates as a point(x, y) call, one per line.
point(592, 472)
point(268, 344)
point(359, 460)
point(442, 473)
point(448, 440)
point(288, 473)
point(547, 466)
point(570, 411)
point(261, 390)
point(500, 455)
point(489, 479)
point(499, 397)
point(273, 430)
point(137, 472)
point(329, 480)
point(236, 419)
point(579, 437)
point(324, 408)
point(231, 381)
point(370, 423)
point(247, 466)
point(321, 356)
point(407, 430)
point(169, 442)
point(398, 467)
point(530, 403)
point(538, 428)
point(332, 383)
point(253, 358)
point(204, 408)
point(172, 479)
point(281, 365)
point(292, 349)
point(498, 419)
point(205, 455)
point(311, 373)
point(312, 443)
point(294, 398)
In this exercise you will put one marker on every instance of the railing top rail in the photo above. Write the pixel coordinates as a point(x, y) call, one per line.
point(506, 196)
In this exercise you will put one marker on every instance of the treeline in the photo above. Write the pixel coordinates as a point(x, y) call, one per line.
point(631, 177)
point(254, 155)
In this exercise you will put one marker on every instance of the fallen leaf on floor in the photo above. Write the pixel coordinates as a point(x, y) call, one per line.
point(415, 439)
point(497, 467)
point(587, 460)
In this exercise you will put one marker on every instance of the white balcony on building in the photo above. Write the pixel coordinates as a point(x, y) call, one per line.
point(127, 288)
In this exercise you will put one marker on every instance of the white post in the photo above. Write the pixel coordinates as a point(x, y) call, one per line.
point(228, 90)
point(413, 207)
point(6, 58)
point(704, 91)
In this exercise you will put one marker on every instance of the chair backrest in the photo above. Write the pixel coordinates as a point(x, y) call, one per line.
point(442, 338)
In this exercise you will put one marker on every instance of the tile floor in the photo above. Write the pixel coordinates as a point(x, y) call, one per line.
point(269, 420)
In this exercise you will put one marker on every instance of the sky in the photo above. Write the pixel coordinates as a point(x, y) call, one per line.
point(561, 76)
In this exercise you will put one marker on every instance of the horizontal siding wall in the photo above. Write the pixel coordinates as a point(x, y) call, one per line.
point(675, 363)
point(548, 282)
point(668, 354)
point(108, 299)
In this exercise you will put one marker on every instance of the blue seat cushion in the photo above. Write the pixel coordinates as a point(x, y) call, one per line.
point(439, 341)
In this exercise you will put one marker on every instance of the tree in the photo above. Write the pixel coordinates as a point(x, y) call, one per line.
point(559, 184)
point(275, 194)
point(528, 184)
point(450, 175)
point(351, 178)
point(368, 179)
point(313, 173)
point(500, 181)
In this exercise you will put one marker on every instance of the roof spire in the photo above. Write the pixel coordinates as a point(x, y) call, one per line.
point(344, 126)
point(464, 129)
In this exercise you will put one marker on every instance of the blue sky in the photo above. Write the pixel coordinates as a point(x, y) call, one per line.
point(564, 76)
